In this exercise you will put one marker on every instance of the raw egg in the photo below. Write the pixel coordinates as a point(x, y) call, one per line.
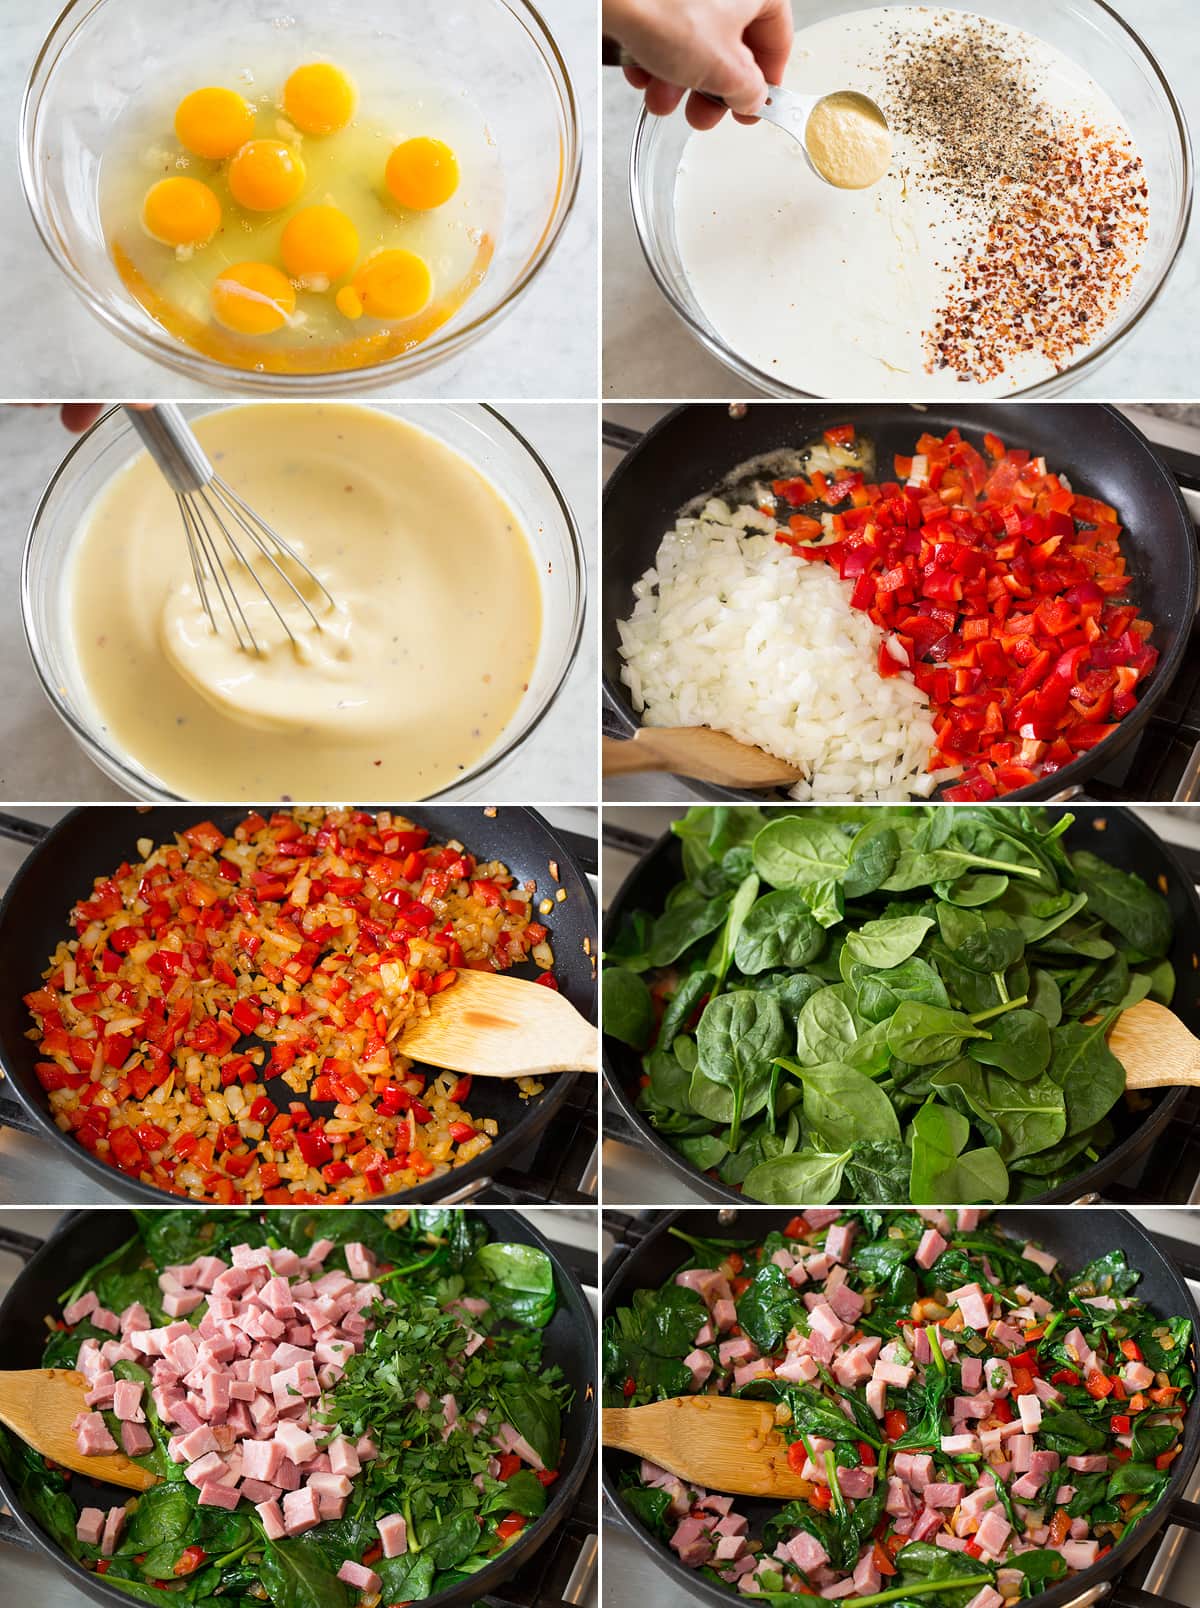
point(252, 298)
point(266, 175)
point(422, 174)
point(319, 98)
point(393, 284)
point(181, 212)
point(213, 123)
point(319, 242)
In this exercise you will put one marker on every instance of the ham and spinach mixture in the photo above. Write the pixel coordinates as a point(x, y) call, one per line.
point(970, 1420)
point(342, 1408)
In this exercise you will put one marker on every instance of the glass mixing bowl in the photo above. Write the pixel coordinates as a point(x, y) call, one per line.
point(1087, 31)
point(479, 433)
point(102, 55)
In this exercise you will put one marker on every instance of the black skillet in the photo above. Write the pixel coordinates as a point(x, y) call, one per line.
point(1116, 833)
point(82, 1240)
point(90, 842)
point(694, 449)
point(1074, 1237)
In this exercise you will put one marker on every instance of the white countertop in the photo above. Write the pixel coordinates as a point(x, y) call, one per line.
point(648, 352)
point(53, 347)
point(39, 758)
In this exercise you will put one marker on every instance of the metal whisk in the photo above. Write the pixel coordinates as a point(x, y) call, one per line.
point(215, 516)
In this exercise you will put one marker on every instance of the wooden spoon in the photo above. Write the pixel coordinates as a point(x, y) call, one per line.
point(41, 1404)
point(714, 1441)
point(1154, 1047)
point(699, 752)
point(502, 1027)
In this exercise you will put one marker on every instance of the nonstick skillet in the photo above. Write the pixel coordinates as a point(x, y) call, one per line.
point(1074, 1237)
point(1115, 833)
point(82, 1240)
point(694, 449)
point(90, 842)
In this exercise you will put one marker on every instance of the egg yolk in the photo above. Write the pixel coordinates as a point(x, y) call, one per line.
point(319, 98)
point(395, 284)
point(266, 175)
point(422, 174)
point(213, 123)
point(181, 212)
point(252, 298)
point(319, 242)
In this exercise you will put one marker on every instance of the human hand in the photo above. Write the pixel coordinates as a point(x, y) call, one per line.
point(731, 49)
point(80, 416)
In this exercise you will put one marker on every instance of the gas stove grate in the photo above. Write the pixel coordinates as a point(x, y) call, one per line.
point(1153, 1564)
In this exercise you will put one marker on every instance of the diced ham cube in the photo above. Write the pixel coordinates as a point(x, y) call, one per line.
point(91, 1435)
point(960, 1445)
point(894, 1373)
point(360, 1261)
point(343, 1459)
point(915, 1468)
point(797, 1368)
point(75, 1313)
point(900, 1501)
point(731, 1352)
point(708, 1284)
point(359, 1576)
point(724, 1315)
point(1040, 1258)
point(968, 1218)
point(209, 1467)
point(866, 1577)
point(295, 1443)
point(760, 1368)
point(701, 1365)
point(806, 1552)
point(1089, 1463)
point(1137, 1376)
point(730, 1548)
point(856, 1483)
point(136, 1439)
point(1030, 1409)
point(1080, 1554)
point(839, 1242)
point(301, 1511)
point(102, 1318)
point(993, 1530)
point(927, 1523)
point(114, 1524)
point(930, 1248)
point(90, 1527)
point(103, 1388)
point(847, 1303)
point(220, 1494)
point(944, 1495)
point(393, 1535)
point(1020, 1450)
point(1027, 1487)
point(970, 1302)
point(986, 1597)
point(177, 1304)
point(950, 1543)
point(823, 1320)
point(127, 1401)
point(877, 1397)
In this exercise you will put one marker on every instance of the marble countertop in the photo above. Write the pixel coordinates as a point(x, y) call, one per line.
point(53, 347)
point(39, 759)
point(648, 352)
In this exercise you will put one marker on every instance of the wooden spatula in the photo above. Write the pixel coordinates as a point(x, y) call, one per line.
point(1154, 1047)
point(699, 752)
point(502, 1027)
point(713, 1441)
point(41, 1404)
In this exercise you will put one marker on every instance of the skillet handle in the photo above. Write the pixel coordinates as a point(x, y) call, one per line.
point(1189, 783)
point(1123, 1596)
point(20, 830)
point(12, 1115)
point(620, 436)
point(13, 1534)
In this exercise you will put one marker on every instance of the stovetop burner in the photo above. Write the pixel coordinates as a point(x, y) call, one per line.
point(1144, 1584)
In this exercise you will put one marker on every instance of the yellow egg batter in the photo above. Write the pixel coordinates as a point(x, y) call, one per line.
point(290, 221)
point(411, 679)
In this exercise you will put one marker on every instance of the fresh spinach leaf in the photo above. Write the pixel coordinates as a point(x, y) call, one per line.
point(628, 1010)
point(779, 931)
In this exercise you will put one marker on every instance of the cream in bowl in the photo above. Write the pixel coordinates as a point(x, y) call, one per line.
point(409, 679)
